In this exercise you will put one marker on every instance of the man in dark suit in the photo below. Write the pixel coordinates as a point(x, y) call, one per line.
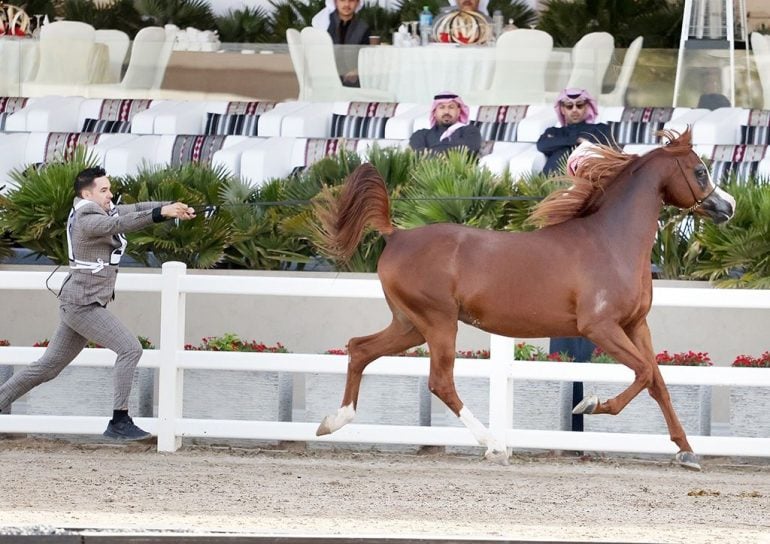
point(449, 127)
point(96, 243)
point(577, 112)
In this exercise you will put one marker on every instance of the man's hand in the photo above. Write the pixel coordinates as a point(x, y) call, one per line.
point(178, 210)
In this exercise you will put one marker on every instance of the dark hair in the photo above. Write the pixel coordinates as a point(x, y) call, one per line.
point(86, 178)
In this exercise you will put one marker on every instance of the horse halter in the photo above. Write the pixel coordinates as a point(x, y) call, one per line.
point(698, 201)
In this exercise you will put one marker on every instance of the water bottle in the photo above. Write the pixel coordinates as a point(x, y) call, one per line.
point(426, 25)
point(498, 21)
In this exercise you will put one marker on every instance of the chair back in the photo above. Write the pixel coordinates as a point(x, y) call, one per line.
point(521, 58)
point(150, 54)
point(591, 57)
point(617, 96)
point(321, 73)
point(294, 40)
point(760, 44)
point(117, 43)
point(66, 53)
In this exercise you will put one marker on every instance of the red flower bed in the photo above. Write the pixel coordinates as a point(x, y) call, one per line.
point(747, 361)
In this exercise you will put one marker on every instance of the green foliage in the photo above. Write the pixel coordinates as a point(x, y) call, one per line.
point(431, 196)
point(523, 16)
point(260, 238)
point(35, 7)
point(36, 211)
point(659, 21)
point(381, 21)
point(182, 13)
point(200, 242)
point(245, 25)
point(671, 250)
point(288, 14)
point(529, 190)
point(118, 15)
point(409, 10)
point(737, 254)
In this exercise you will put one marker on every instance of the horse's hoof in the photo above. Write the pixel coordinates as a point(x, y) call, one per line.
point(688, 460)
point(587, 405)
point(324, 428)
point(497, 456)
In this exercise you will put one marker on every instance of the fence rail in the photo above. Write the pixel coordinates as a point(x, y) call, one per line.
point(173, 284)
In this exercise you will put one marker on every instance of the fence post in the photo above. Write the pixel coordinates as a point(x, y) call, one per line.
point(170, 382)
point(500, 387)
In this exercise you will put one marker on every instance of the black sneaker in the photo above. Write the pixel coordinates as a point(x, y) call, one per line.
point(125, 430)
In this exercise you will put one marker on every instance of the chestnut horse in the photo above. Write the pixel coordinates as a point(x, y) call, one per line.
point(585, 272)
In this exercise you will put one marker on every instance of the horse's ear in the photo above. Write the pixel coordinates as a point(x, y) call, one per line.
point(676, 140)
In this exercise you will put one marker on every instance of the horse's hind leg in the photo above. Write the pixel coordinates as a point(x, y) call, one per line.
point(400, 335)
point(441, 384)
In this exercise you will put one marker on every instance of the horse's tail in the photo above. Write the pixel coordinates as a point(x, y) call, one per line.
point(363, 202)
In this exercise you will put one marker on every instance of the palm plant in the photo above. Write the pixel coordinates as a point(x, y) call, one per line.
point(409, 10)
point(381, 21)
point(245, 25)
point(672, 252)
point(288, 14)
point(117, 15)
point(201, 242)
point(520, 12)
point(182, 13)
point(567, 21)
point(36, 211)
point(526, 193)
point(737, 254)
point(448, 189)
point(261, 238)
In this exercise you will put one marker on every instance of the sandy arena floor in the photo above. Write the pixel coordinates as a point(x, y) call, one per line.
point(65, 485)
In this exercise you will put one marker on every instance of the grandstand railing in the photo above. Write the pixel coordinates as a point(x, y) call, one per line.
point(173, 284)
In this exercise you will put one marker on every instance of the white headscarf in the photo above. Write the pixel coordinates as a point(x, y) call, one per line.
point(482, 6)
point(322, 18)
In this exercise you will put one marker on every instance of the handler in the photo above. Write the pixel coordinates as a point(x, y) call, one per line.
point(96, 243)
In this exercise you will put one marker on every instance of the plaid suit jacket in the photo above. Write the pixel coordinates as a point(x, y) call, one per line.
point(94, 236)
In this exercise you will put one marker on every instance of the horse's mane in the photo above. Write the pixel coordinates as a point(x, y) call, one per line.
point(595, 173)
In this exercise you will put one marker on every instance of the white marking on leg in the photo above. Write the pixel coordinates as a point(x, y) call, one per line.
point(495, 449)
point(340, 418)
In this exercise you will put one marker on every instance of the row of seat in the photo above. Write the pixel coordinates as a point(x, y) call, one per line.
point(359, 119)
point(261, 140)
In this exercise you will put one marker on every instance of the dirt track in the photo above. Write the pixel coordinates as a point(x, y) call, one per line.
point(57, 484)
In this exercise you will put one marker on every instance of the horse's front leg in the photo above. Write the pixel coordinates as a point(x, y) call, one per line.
point(397, 337)
point(441, 383)
point(642, 339)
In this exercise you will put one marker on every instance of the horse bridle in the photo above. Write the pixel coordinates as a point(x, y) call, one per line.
point(698, 201)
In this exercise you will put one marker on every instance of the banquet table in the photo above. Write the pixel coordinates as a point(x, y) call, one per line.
point(416, 74)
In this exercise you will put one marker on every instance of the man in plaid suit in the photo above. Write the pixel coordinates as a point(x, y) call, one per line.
point(96, 243)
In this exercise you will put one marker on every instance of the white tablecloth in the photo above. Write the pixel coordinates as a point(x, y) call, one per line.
point(416, 74)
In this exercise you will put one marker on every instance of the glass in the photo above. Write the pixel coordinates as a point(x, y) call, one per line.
point(573, 105)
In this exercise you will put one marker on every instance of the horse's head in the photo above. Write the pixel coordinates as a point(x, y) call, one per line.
point(690, 186)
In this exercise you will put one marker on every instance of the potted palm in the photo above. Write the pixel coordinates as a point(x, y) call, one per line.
point(750, 406)
point(642, 415)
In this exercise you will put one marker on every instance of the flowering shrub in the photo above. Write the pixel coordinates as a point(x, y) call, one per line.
point(689, 358)
point(747, 361)
point(4, 342)
point(231, 342)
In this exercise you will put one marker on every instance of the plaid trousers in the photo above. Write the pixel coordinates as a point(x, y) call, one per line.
point(78, 325)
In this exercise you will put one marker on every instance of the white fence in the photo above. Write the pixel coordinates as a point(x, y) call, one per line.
point(171, 358)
